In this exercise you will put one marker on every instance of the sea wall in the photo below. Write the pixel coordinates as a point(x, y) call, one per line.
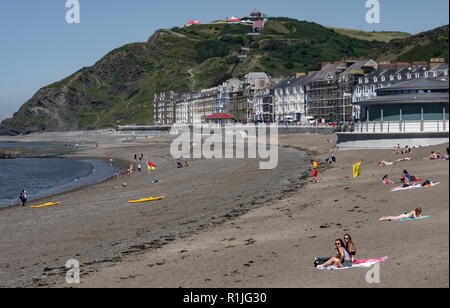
point(359, 141)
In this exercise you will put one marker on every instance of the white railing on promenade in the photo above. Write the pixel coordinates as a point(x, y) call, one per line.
point(401, 127)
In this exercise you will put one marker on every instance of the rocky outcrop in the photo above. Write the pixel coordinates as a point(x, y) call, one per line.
point(37, 152)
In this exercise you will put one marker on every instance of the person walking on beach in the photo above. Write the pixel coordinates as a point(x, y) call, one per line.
point(23, 198)
point(135, 156)
point(314, 166)
point(111, 162)
point(139, 167)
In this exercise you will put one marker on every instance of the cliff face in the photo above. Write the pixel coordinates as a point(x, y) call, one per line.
point(120, 88)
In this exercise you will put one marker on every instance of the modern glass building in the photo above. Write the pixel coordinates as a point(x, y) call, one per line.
point(418, 105)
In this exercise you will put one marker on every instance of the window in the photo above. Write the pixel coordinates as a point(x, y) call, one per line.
point(375, 79)
point(383, 78)
point(399, 77)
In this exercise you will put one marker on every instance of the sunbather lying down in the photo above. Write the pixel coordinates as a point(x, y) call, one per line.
point(413, 214)
point(385, 163)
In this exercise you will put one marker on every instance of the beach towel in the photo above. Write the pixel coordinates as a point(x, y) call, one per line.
point(415, 187)
point(409, 219)
point(335, 268)
point(356, 170)
point(379, 260)
point(357, 264)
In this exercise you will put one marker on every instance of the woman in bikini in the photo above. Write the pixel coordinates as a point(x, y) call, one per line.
point(342, 259)
point(417, 213)
point(387, 181)
point(350, 246)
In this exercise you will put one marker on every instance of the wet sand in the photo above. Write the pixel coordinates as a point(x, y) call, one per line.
point(271, 245)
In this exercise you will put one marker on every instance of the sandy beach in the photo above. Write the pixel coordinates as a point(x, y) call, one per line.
point(225, 223)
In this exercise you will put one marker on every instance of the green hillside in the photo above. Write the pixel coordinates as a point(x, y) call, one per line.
point(120, 87)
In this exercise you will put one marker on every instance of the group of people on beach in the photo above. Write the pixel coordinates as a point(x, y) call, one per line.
point(345, 254)
point(437, 156)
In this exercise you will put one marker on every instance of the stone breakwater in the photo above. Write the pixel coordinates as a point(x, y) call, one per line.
point(37, 152)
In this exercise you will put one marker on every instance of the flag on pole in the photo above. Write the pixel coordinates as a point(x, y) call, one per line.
point(151, 166)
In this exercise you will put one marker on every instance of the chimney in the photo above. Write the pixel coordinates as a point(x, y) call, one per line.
point(300, 74)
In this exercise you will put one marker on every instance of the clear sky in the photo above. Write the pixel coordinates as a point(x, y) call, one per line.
point(38, 47)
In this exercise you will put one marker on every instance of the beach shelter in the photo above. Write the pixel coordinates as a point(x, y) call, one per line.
point(357, 170)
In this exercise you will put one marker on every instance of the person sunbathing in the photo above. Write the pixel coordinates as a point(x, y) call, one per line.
point(432, 156)
point(387, 181)
point(408, 178)
point(385, 163)
point(407, 150)
point(342, 259)
point(350, 246)
point(404, 159)
point(417, 213)
point(404, 184)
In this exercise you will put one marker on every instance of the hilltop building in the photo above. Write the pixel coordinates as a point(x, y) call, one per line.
point(192, 22)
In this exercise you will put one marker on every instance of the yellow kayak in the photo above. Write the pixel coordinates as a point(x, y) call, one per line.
point(45, 205)
point(146, 200)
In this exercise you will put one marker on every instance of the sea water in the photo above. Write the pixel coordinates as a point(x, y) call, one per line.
point(43, 177)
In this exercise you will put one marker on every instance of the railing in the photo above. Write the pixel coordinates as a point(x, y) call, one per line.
point(401, 127)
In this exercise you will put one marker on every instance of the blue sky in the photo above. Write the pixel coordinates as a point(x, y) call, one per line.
point(38, 47)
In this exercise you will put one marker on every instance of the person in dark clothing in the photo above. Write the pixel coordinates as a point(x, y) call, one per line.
point(23, 198)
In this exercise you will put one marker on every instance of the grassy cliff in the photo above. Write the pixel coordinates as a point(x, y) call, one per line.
point(120, 87)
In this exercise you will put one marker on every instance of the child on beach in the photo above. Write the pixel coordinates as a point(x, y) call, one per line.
point(342, 259)
point(417, 213)
point(23, 198)
point(314, 166)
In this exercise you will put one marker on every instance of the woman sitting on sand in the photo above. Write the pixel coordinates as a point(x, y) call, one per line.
point(342, 259)
point(404, 184)
point(413, 214)
point(351, 248)
point(433, 156)
point(408, 178)
point(387, 181)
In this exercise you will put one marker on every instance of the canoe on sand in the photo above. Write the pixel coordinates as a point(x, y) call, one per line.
point(45, 205)
point(146, 200)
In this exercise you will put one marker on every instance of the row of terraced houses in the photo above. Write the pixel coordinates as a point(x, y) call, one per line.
point(333, 94)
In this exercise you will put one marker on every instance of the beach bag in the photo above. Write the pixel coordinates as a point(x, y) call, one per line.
point(320, 261)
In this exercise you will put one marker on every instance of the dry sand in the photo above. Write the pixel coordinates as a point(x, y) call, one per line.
point(272, 245)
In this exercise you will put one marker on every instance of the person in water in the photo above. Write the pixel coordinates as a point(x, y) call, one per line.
point(343, 257)
point(417, 213)
point(350, 246)
point(23, 198)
